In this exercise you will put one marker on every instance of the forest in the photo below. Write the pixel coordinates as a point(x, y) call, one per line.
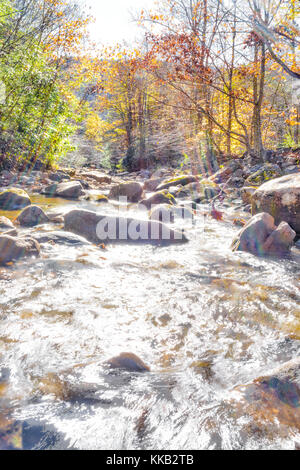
point(208, 80)
point(150, 227)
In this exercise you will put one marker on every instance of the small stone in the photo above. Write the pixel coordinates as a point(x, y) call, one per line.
point(129, 362)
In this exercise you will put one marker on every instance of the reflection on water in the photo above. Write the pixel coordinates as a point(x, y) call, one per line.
point(206, 320)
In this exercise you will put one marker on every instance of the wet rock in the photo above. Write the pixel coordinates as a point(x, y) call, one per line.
point(12, 249)
point(275, 396)
point(14, 199)
point(180, 180)
point(69, 190)
point(31, 216)
point(280, 198)
point(161, 197)
point(132, 191)
point(129, 362)
point(100, 229)
point(60, 238)
point(261, 237)
point(97, 176)
point(265, 173)
point(5, 224)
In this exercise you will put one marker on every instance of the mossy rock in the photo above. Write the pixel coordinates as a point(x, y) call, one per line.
point(161, 197)
point(102, 198)
point(265, 173)
point(13, 199)
point(179, 180)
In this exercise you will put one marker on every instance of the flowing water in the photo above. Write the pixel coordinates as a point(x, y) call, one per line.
point(205, 319)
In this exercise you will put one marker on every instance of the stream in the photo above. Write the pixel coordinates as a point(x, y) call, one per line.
point(204, 319)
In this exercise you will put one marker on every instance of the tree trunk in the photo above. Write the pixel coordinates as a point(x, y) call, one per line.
point(258, 95)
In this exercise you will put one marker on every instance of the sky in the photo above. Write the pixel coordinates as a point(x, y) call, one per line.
point(113, 19)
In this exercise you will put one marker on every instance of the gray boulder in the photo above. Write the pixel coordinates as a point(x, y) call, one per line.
point(280, 198)
point(113, 229)
point(68, 190)
point(14, 199)
point(12, 249)
point(31, 216)
point(260, 236)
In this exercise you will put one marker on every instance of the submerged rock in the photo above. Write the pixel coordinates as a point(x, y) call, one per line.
point(129, 362)
point(60, 237)
point(31, 216)
point(13, 199)
point(109, 229)
point(280, 198)
point(132, 191)
point(275, 397)
point(12, 249)
point(261, 237)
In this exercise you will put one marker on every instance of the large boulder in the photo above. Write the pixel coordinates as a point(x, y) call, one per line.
point(280, 198)
point(113, 229)
point(14, 199)
point(161, 197)
point(12, 249)
point(5, 224)
point(132, 191)
point(260, 236)
point(31, 216)
point(68, 190)
point(178, 181)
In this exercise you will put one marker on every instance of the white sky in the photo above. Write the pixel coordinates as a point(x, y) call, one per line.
point(113, 19)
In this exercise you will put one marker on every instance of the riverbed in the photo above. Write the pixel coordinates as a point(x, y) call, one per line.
point(206, 321)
